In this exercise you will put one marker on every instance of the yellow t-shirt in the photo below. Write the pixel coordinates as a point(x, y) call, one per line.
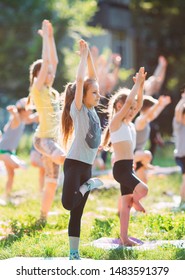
point(48, 107)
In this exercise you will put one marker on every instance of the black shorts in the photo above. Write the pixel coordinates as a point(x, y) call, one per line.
point(124, 174)
point(181, 162)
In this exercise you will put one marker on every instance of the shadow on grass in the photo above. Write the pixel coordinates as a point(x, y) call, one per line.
point(122, 254)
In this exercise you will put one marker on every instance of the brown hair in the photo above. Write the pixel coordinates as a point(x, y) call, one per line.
point(120, 96)
point(69, 94)
point(34, 70)
point(183, 111)
point(148, 102)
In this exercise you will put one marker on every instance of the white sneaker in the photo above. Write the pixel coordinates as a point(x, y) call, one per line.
point(90, 185)
point(93, 183)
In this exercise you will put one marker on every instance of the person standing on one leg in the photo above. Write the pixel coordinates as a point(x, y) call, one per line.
point(46, 101)
point(79, 113)
point(179, 134)
point(123, 108)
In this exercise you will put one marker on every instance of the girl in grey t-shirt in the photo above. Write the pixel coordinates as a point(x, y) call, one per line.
point(80, 121)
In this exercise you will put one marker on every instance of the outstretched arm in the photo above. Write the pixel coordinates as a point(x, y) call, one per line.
point(90, 66)
point(139, 102)
point(81, 73)
point(153, 83)
point(153, 112)
point(139, 80)
point(45, 57)
point(15, 120)
point(114, 75)
point(52, 49)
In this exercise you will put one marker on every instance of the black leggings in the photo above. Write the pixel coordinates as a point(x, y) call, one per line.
point(76, 173)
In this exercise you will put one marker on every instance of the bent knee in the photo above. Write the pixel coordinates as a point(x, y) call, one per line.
point(66, 204)
point(147, 157)
point(142, 189)
point(59, 159)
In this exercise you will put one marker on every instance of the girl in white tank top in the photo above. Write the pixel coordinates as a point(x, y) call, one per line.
point(123, 108)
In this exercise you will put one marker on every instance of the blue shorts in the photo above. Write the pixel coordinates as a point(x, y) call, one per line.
point(181, 162)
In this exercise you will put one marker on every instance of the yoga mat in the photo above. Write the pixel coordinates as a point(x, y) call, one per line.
point(108, 243)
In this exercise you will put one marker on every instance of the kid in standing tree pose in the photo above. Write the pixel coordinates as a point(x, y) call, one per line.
point(79, 114)
point(150, 110)
point(46, 101)
point(179, 152)
point(12, 133)
point(121, 131)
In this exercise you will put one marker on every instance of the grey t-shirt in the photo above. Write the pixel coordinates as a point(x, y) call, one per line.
point(142, 136)
point(179, 136)
point(87, 134)
point(11, 137)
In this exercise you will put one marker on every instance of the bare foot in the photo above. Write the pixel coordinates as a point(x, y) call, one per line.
point(149, 166)
point(138, 207)
point(128, 242)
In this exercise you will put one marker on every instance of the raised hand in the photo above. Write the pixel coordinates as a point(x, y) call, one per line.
point(45, 27)
point(84, 49)
point(116, 59)
point(12, 109)
point(164, 100)
point(162, 60)
point(140, 76)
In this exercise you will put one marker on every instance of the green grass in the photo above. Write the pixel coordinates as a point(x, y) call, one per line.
point(100, 219)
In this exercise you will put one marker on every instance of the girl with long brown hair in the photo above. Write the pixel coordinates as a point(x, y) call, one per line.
point(122, 136)
point(80, 124)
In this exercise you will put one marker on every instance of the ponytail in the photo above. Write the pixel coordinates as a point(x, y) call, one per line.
point(67, 122)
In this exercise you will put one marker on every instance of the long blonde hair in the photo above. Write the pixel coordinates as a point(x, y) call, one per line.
point(69, 95)
point(120, 96)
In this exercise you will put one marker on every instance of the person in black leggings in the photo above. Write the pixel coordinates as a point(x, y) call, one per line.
point(79, 113)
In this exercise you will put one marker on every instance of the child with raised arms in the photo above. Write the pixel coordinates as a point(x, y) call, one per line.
point(123, 108)
point(46, 99)
point(179, 151)
point(80, 117)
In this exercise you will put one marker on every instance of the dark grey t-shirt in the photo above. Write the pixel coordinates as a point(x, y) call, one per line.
point(11, 137)
point(87, 134)
point(179, 136)
point(142, 136)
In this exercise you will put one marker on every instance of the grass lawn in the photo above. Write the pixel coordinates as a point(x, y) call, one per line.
point(20, 237)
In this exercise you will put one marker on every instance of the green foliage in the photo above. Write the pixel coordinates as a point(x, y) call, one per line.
point(102, 228)
point(20, 44)
point(159, 29)
point(167, 226)
point(20, 234)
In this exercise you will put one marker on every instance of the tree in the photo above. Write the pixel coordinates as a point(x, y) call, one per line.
point(20, 44)
point(160, 30)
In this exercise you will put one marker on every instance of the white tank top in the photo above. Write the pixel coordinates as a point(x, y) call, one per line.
point(126, 132)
